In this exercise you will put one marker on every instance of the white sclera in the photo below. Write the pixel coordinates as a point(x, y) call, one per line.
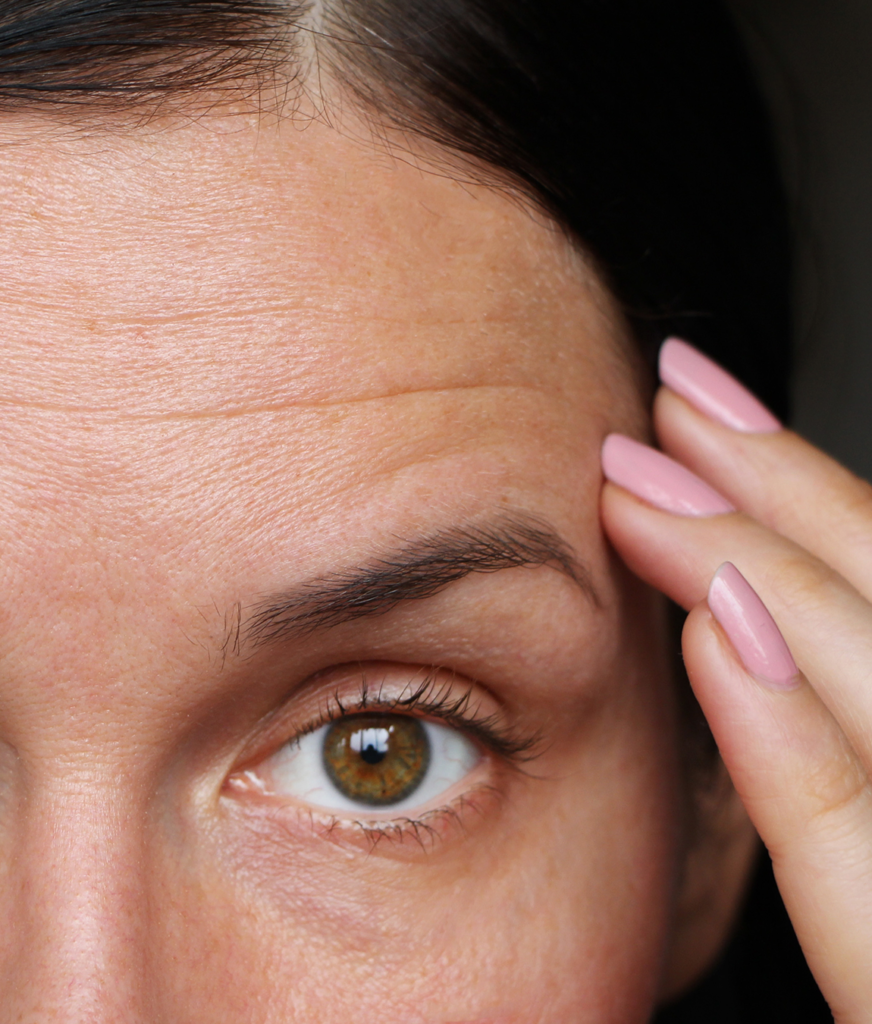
point(297, 770)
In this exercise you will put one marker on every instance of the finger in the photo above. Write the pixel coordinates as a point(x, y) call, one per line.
point(805, 789)
point(772, 474)
point(827, 623)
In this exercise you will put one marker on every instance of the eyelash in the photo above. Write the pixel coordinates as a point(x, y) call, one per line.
point(435, 700)
point(431, 699)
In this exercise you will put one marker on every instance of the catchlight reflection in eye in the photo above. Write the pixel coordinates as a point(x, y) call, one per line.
point(373, 762)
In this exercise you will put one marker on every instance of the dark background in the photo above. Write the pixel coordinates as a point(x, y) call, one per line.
point(815, 64)
point(762, 977)
point(814, 59)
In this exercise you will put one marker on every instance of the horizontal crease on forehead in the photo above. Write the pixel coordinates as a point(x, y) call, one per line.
point(418, 569)
point(111, 415)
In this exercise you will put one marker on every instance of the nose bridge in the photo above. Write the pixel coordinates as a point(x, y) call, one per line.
point(75, 933)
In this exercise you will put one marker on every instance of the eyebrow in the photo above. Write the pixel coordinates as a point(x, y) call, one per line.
point(415, 570)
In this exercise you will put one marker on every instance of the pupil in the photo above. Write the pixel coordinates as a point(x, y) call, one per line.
point(372, 755)
point(372, 744)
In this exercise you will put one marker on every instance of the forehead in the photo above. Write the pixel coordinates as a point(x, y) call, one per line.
point(225, 240)
point(225, 319)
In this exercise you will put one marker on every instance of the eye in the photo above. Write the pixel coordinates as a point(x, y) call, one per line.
point(372, 762)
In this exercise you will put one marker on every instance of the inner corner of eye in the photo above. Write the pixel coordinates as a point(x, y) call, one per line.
point(373, 762)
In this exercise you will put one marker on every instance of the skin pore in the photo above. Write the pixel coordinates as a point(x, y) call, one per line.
point(239, 359)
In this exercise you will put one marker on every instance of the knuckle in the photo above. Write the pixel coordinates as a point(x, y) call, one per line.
point(857, 496)
point(805, 582)
point(835, 793)
point(854, 515)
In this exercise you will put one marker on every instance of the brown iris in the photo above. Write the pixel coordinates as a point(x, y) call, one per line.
point(377, 759)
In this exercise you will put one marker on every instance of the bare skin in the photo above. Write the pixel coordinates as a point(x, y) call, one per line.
point(237, 359)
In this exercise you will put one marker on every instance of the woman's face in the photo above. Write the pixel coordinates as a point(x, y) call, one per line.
point(321, 696)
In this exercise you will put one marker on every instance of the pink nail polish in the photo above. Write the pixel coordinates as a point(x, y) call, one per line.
point(712, 390)
point(657, 479)
point(751, 629)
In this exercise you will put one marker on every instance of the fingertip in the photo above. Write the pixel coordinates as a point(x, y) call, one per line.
point(660, 481)
point(752, 631)
point(708, 387)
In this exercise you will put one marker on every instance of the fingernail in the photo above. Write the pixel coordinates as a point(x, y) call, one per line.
point(657, 479)
point(751, 629)
point(709, 388)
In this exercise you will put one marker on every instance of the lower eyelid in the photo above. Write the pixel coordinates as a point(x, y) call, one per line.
point(400, 837)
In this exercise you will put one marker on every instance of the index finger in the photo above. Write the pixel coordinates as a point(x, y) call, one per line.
point(773, 475)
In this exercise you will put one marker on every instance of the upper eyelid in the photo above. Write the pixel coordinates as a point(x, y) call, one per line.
point(430, 697)
point(500, 741)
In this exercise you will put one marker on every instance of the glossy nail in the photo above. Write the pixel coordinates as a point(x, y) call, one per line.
point(751, 629)
point(657, 479)
point(709, 388)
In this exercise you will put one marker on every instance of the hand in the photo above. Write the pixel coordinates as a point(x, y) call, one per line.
point(796, 741)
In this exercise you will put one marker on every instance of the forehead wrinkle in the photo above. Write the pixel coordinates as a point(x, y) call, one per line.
point(110, 415)
point(164, 473)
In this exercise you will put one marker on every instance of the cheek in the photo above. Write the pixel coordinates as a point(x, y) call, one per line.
point(604, 879)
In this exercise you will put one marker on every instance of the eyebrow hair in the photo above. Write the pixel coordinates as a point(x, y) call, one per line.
point(417, 570)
